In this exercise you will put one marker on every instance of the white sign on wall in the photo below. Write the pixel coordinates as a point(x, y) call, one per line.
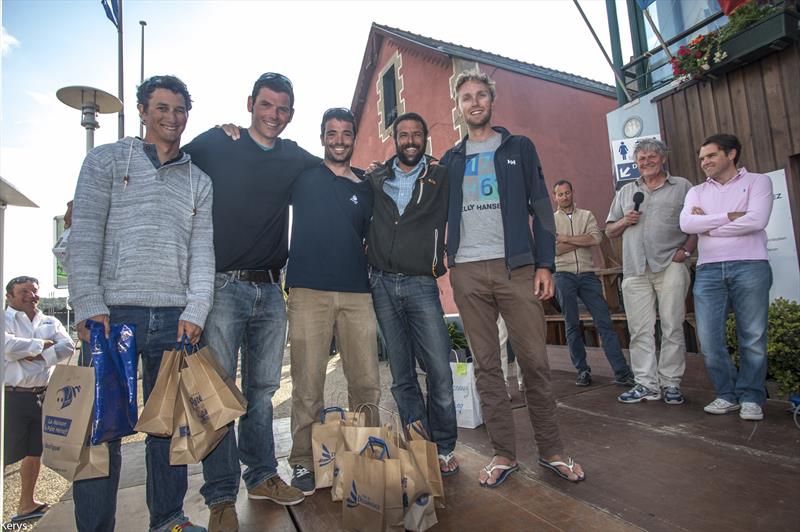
point(622, 150)
point(781, 245)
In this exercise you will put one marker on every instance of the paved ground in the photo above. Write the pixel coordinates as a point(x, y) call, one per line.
point(649, 466)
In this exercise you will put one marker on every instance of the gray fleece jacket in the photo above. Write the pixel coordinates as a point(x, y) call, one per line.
point(135, 240)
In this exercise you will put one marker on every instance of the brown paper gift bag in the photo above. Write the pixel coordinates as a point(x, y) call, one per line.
point(325, 436)
point(427, 458)
point(394, 512)
point(363, 509)
point(191, 439)
point(207, 383)
point(354, 439)
point(156, 417)
point(66, 417)
point(421, 514)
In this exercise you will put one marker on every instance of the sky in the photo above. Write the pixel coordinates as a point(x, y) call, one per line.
point(219, 48)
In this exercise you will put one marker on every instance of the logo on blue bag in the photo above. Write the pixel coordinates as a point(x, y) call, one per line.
point(65, 395)
point(352, 500)
point(56, 425)
point(327, 457)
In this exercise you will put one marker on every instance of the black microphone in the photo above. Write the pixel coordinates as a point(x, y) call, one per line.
point(638, 198)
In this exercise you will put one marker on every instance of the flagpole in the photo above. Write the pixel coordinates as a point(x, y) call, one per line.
point(141, 74)
point(119, 63)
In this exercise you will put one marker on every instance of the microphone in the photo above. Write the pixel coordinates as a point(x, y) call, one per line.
point(638, 198)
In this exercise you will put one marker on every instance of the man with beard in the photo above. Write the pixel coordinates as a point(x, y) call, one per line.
point(405, 253)
point(497, 266)
point(331, 205)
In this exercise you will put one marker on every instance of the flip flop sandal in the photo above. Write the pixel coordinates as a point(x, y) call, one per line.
point(569, 464)
point(36, 513)
point(447, 458)
point(507, 470)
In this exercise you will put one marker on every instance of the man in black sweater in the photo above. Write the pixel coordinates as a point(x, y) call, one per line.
point(405, 252)
point(252, 179)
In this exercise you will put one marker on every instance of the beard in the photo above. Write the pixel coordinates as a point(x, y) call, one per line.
point(405, 159)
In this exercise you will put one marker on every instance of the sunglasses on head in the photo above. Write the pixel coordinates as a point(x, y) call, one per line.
point(338, 111)
point(270, 76)
point(22, 279)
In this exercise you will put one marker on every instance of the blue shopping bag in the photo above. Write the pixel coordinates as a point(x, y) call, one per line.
point(114, 359)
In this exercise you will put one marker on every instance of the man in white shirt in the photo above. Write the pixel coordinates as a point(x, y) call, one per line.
point(34, 344)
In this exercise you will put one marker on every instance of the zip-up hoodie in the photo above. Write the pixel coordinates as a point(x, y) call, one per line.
point(141, 235)
point(411, 244)
point(523, 193)
point(582, 222)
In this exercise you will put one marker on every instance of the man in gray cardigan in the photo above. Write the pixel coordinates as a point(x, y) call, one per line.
point(141, 252)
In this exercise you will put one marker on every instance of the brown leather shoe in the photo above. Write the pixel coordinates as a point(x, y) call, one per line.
point(223, 518)
point(276, 490)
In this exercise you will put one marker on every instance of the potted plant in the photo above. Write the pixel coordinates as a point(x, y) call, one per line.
point(458, 342)
point(783, 345)
point(755, 29)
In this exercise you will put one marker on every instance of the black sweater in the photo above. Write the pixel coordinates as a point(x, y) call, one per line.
point(411, 244)
point(251, 196)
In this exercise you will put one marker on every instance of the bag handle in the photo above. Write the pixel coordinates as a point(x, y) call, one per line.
point(373, 442)
point(455, 355)
point(325, 411)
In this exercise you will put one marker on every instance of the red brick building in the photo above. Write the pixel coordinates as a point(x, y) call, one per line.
point(564, 115)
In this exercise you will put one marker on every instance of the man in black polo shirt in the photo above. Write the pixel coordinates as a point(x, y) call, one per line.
point(327, 275)
point(252, 178)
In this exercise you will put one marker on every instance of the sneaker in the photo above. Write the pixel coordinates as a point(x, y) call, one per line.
point(751, 411)
point(303, 479)
point(275, 489)
point(625, 380)
point(639, 393)
point(584, 378)
point(721, 406)
point(223, 517)
point(673, 395)
point(187, 526)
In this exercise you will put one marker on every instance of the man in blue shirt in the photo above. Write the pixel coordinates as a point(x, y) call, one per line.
point(405, 252)
point(329, 288)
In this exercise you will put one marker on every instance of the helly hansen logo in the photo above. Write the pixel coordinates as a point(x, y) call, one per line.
point(512, 162)
point(65, 395)
point(327, 456)
point(354, 199)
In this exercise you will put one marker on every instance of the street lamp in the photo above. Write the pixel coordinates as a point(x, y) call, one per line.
point(90, 101)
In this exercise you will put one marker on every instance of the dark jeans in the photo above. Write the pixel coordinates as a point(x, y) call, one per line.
point(587, 287)
point(412, 321)
point(249, 318)
point(96, 499)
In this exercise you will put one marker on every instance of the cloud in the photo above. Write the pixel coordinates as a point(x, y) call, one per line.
point(42, 98)
point(7, 41)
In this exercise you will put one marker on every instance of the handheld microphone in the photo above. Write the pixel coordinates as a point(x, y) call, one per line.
point(638, 198)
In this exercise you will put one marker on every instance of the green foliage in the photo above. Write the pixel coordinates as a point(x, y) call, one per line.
point(744, 16)
point(783, 344)
point(457, 338)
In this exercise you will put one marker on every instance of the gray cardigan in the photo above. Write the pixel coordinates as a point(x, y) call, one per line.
point(135, 240)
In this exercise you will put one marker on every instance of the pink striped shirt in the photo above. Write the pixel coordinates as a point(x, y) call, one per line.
point(719, 238)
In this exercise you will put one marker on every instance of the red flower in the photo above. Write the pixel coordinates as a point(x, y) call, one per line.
point(683, 51)
point(698, 54)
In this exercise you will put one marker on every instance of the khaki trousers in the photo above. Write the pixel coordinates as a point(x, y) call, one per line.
point(483, 290)
point(666, 291)
point(314, 315)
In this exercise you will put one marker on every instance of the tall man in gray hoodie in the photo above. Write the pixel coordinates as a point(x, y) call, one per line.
point(141, 252)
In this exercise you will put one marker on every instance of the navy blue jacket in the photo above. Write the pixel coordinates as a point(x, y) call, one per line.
point(523, 193)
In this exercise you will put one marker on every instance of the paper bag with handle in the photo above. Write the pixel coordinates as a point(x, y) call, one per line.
point(364, 507)
point(156, 418)
point(66, 425)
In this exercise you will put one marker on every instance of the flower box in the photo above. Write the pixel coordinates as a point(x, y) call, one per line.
point(773, 33)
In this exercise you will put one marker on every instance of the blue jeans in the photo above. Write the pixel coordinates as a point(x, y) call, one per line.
point(96, 499)
point(251, 318)
point(410, 315)
point(742, 286)
point(587, 287)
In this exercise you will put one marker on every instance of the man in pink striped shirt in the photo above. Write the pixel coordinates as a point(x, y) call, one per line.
point(729, 213)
